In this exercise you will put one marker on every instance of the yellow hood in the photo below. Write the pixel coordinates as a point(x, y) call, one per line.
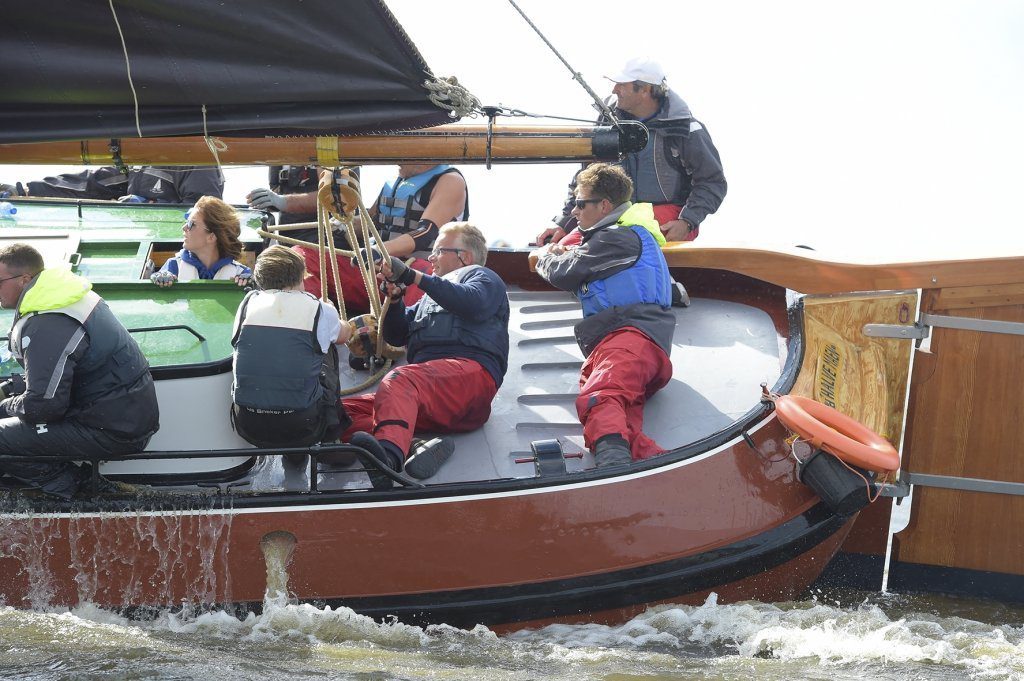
point(642, 214)
point(53, 289)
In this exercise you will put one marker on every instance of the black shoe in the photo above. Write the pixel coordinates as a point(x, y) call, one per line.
point(378, 478)
point(428, 456)
point(680, 298)
point(612, 450)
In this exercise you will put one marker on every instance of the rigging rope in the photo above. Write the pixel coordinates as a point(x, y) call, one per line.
point(577, 76)
point(339, 202)
point(128, 67)
point(212, 147)
point(519, 113)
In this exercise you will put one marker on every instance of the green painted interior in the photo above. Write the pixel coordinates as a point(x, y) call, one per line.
point(112, 249)
point(107, 221)
point(111, 260)
point(207, 307)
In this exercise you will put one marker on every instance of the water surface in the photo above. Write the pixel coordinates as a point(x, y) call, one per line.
point(849, 636)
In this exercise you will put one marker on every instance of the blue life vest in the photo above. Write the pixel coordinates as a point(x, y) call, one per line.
point(401, 202)
point(647, 281)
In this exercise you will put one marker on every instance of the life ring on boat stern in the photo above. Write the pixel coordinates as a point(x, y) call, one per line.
point(835, 432)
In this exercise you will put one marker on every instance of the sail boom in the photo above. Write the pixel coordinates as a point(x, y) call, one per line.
point(441, 144)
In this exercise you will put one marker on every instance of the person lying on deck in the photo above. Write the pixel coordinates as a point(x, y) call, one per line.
point(210, 247)
point(139, 184)
point(86, 390)
point(286, 384)
point(620, 276)
point(457, 349)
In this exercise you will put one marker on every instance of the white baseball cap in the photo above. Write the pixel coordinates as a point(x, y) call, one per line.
point(644, 69)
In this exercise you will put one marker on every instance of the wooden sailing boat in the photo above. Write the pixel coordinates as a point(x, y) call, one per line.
point(508, 534)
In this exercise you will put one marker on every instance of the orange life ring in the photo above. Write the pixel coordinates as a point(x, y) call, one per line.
point(837, 433)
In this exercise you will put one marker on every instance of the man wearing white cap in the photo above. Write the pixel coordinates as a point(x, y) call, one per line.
point(679, 171)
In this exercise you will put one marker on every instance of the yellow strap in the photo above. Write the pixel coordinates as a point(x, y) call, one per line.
point(89, 157)
point(327, 151)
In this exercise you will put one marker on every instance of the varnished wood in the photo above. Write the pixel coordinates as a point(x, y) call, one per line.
point(968, 413)
point(159, 255)
point(806, 272)
point(962, 297)
point(975, 531)
point(966, 419)
point(446, 143)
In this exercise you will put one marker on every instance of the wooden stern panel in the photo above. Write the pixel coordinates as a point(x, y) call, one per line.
point(966, 419)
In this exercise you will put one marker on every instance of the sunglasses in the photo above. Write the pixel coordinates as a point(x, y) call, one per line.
point(438, 251)
point(189, 225)
point(13, 276)
point(582, 203)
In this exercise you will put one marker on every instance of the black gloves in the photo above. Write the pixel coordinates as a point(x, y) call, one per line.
point(363, 255)
point(400, 273)
point(15, 385)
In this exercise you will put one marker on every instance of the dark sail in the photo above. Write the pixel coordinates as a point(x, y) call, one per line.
point(261, 67)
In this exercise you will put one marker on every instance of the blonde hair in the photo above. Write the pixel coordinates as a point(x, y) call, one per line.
point(471, 237)
point(222, 221)
point(279, 267)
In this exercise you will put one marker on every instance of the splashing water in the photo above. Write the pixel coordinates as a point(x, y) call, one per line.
point(277, 548)
point(117, 558)
point(893, 637)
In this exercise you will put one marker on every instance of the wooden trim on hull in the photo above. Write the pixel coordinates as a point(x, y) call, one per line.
point(807, 272)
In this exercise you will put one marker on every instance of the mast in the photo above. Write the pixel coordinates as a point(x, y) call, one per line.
point(445, 143)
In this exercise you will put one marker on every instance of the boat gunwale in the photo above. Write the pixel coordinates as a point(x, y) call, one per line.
point(737, 431)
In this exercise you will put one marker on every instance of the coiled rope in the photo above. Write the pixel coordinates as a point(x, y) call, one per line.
point(446, 93)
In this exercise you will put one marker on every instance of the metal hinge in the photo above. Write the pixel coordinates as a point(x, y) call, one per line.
point(963, 484)
point(895, 490)
point(923, 327)
point(915, 332)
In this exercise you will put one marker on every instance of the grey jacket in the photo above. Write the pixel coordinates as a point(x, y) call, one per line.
point(680, 165)
point(603, 253)
point(82, 364)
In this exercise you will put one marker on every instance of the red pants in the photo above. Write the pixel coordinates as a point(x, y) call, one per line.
point(356, 300)
point(622, 372)
point(438, 396)
point(666, 212)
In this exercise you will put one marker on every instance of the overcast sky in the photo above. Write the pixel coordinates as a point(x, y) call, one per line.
point(877, 122)
point(889, 126)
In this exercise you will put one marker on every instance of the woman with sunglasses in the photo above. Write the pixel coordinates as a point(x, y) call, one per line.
point(210, 247)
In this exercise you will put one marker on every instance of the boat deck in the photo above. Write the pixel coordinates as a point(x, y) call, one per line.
point(722, 351)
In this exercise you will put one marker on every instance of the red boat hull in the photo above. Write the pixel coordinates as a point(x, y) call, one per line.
point(733, 520)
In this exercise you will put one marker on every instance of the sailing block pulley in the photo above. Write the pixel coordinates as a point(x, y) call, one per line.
point(548, 458)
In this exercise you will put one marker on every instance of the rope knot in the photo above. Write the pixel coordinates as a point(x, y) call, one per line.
point(446, 93)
